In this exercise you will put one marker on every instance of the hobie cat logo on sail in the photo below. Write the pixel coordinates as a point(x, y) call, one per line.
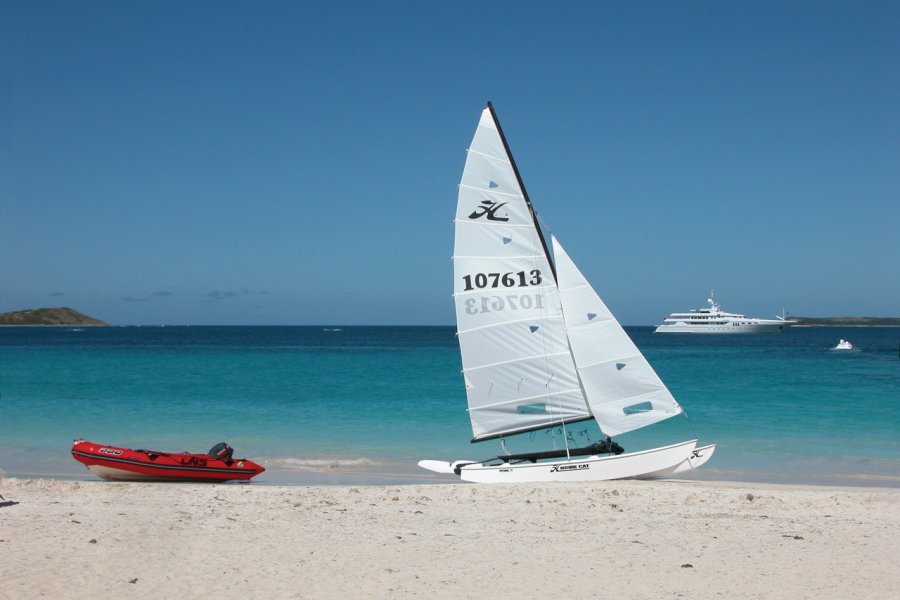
point(488, 208)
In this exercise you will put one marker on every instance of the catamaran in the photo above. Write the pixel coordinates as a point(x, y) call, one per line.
point(540, 349)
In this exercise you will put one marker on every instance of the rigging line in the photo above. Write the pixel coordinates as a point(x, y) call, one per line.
point(690, 424)
point(548, 368)
point(552, 357)
point(576, 366)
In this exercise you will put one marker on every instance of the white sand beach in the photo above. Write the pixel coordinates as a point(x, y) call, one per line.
point(614, 540)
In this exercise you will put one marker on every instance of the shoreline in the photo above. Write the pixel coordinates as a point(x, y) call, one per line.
point(351, 469)
point(847, 326)
point(402, 474)
point(641, 539)
point(426, 481)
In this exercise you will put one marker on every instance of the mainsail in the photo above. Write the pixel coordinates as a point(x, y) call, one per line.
point(622, 389)
point(518, 369)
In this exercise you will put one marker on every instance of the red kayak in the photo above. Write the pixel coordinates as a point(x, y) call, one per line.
point(123, 464)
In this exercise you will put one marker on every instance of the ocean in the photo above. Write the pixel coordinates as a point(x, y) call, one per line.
point(361, 405)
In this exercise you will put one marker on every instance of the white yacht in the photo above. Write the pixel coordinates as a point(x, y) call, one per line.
point(715, 320)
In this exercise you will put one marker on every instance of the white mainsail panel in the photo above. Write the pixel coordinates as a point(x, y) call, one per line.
point(517, 364)
point(623, 391)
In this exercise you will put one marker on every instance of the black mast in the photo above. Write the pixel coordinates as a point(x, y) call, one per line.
point(524, 191)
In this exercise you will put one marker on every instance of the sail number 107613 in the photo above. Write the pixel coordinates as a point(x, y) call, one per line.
point(508, 280)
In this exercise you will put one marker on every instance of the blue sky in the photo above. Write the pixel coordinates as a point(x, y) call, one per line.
point(297, 162)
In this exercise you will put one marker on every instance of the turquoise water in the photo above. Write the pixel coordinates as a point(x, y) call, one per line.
point(363, 404)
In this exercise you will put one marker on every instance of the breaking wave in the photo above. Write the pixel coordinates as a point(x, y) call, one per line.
point(320, 464)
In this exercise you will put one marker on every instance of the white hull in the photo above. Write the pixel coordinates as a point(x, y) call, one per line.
point(647, 464)
point(697, 458)
point(765, 327)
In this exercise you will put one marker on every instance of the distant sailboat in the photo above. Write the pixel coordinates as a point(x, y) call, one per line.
point(539, 347)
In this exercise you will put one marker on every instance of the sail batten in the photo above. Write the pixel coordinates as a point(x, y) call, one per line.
point(531, 257)
point(528, 399)
point(554, 317)
point(594, 324)
point(503, 327)
point(618, 360)
point(510, 362)
point(508, 225)
point(503, 158)
point(487, 189)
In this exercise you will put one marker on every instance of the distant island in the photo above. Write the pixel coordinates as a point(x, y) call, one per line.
point(62, 316)
point(846, 321)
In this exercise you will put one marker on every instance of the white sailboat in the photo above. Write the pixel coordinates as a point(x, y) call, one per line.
point(539, 347)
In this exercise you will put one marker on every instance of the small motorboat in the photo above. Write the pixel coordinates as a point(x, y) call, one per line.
point(123, 464)
point(843, 345)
